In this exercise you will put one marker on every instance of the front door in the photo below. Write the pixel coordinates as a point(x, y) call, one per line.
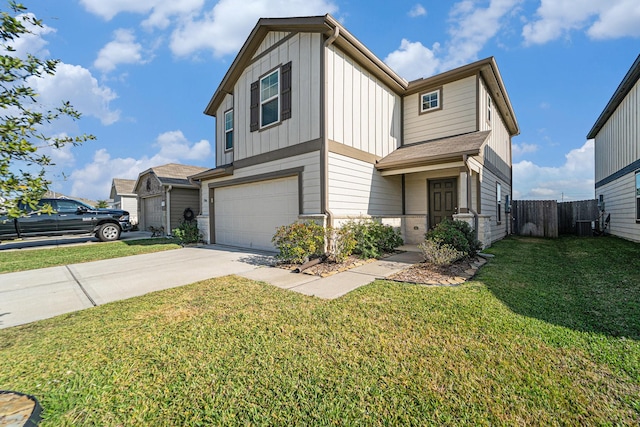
point(443, 200)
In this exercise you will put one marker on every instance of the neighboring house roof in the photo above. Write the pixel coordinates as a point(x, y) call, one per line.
point(349, 44)
point(435, 151)
point(628, 82)
point(173, 174)
point(123, 187)
point(54, 195)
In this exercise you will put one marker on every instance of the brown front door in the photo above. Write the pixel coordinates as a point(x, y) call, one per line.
point(443, 200)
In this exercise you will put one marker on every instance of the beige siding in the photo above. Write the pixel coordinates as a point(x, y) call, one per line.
point(363, 112)
point(457, 116)
point(270, 39)
point(310, 179)
point(489, 203)
point(416, 189)
point(620, 202)
point(303, 50)
point(497, 150)
point(181, 199)
point(224, 157)
point(356, 188)
point(616, 144)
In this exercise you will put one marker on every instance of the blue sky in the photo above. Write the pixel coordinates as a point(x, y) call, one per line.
point(142, 71)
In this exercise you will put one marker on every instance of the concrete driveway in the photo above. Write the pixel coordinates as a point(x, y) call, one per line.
point(60, 241)
point(39, 294)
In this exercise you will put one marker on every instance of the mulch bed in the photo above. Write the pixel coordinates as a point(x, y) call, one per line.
point(421, 273)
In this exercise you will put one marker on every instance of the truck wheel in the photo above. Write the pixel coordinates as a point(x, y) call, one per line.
point(108, 232)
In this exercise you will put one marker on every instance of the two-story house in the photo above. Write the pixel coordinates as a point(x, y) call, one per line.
point(312, 125)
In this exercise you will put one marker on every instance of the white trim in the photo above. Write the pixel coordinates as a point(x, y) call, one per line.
point(430, 108)
point(275, 97)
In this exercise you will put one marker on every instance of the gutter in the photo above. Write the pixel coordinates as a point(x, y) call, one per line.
point(324, 150)
point(465, 159)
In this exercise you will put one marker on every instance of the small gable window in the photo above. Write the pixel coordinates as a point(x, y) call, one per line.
point(228, 130)
point(638, 196)
point(271, 98)
point(488, 108)
point(430, 101)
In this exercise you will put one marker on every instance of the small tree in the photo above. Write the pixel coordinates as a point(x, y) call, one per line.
point(21, 120)
point(101, 204)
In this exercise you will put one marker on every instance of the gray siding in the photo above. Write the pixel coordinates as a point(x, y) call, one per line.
point(497, 150)
point(489, 203)
point(181, 199)
point(620, 202)
point(617, 144)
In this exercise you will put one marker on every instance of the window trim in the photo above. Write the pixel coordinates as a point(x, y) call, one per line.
point(637, 186)
point(429, 110)
point(226, 131)
point(276, 97)
point(498, 202)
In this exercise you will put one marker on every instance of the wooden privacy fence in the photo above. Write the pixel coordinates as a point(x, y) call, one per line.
point(548, 218)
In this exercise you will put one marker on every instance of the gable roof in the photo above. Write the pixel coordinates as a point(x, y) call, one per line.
point(434, 151)
point(328, 26)
point(123, 186)
point(628, 82)
point(173, 174)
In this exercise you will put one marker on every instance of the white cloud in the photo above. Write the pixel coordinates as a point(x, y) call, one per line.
point(224, 29)
point(93, 180)
point(413, 60)
point(417, 10)
point(32, 42)
point(75, 84)
point(159, 11)
point(574, 180)
point(557, 18)
point(122, 50)
point(519, 150)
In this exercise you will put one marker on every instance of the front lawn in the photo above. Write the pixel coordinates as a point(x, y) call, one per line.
point(20, 260)
point(229, 351)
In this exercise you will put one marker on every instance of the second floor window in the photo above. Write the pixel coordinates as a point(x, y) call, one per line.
point(270, 99)
point(430, 101)
point(499, 201)
point(488, 108)
point(228, 130)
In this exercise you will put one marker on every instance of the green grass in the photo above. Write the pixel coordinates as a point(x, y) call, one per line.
point(544, 336)
point(11, 261)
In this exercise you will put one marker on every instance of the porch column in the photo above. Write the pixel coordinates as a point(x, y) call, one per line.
point(463, 191)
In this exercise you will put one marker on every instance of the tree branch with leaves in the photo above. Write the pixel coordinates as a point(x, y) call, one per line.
point(22, 119)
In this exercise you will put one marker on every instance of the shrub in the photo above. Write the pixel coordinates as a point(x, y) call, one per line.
point(457, 234)
point(343, 242)
point(187, 232)
point(373, 238)
point(298, 242)
point(439, 253)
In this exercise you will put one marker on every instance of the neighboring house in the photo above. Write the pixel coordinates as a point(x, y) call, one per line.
point(617, 156)
point(123, 197)
point(50, 194)
point(166, 196)
point(312, 125)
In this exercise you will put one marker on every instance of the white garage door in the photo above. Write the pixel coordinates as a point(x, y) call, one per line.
point(152, 211)
point(247, 215)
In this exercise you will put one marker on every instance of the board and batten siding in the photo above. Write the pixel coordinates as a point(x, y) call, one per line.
point(356, 188)
point(617, 144)
point(303, 50)
point(620, 202)
point(363, 112)
point(310, 179)
point(457, 116)
point(497, 149)
point(181, 199)
point(269, 40)
point(224, 157)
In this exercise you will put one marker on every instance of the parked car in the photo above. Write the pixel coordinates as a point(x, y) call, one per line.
point(69, 217)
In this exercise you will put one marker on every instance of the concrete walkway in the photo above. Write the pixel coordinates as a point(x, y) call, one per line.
point(39, 294)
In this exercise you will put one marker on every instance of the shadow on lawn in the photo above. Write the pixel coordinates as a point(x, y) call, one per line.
point(586, 284)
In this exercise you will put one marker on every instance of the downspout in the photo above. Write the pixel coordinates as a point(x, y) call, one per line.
point(168, 206)
point(465, 159)
point(324, 150)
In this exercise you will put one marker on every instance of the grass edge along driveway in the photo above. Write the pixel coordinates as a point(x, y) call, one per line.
point(231, 351)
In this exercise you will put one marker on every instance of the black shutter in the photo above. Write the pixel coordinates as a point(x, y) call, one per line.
point(254, 123)
point(285, 92)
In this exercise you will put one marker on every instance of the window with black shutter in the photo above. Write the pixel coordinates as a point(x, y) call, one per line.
point(271, 98)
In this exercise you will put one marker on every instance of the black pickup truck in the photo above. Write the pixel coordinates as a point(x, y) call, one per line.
point(69, 217)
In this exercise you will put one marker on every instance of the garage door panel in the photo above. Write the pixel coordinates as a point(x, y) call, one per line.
point(247, 215)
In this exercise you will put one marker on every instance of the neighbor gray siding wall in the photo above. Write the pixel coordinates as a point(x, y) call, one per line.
point(617, 144)
point(181, 199)
point(620, 202)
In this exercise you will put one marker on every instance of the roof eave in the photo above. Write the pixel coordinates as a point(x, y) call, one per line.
point(431, 160)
